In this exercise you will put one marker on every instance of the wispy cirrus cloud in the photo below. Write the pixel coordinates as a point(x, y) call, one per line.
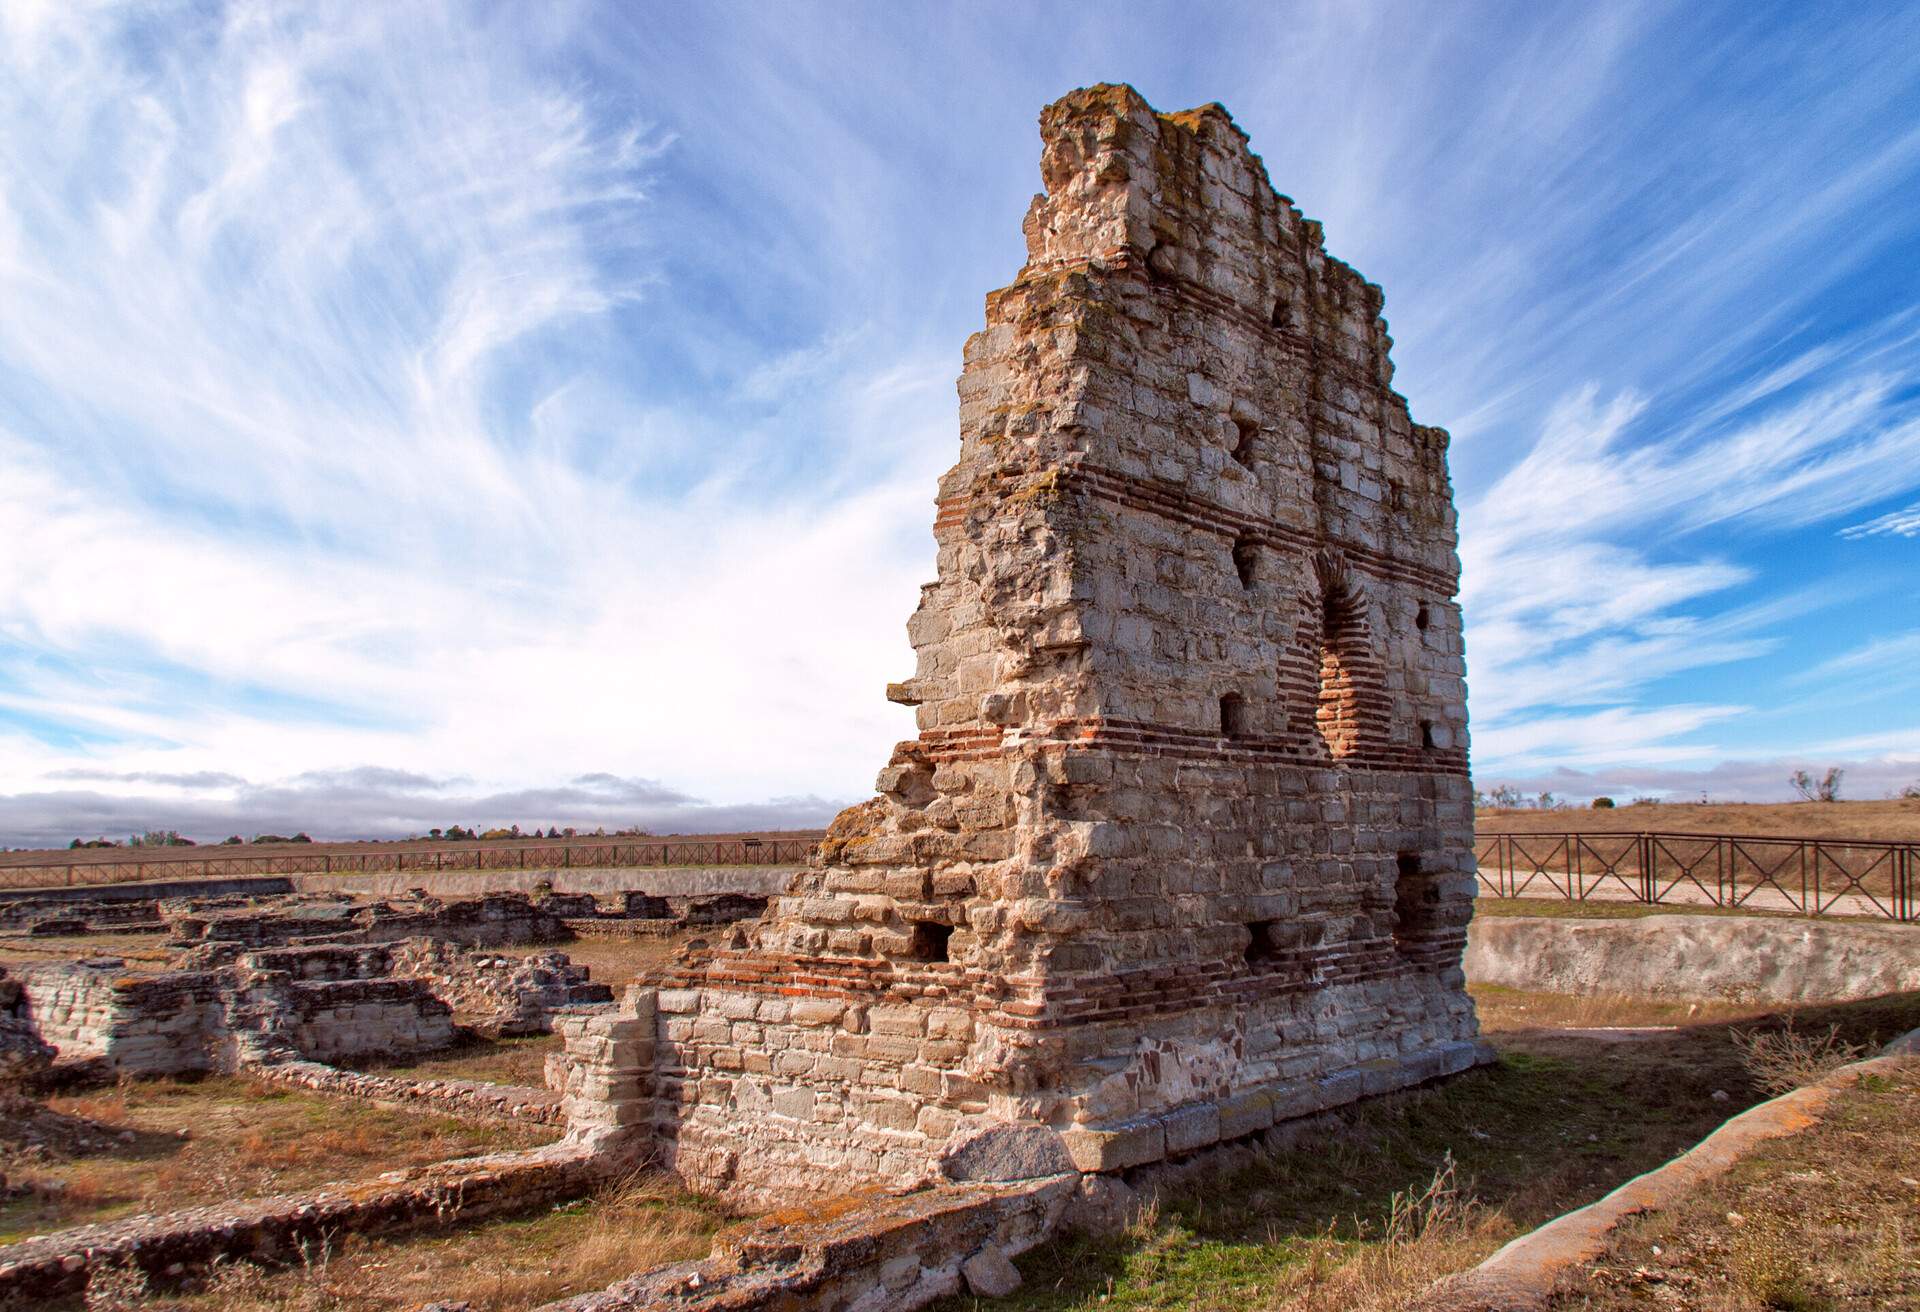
point(1903, 523)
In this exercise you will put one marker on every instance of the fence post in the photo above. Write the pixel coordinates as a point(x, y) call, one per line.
point(1649, 883)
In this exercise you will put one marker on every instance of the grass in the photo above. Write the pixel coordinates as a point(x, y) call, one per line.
point(1405, 1188)
point(495, 1061)
point(498, 1265)
point(1828, 1218)
point(181, 1143)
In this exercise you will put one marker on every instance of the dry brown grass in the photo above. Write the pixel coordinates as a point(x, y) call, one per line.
point(181, 1143)
point(1881, 821)
point(1828, 1218)
point(142, 953)
point(512, 1264)
point(1503, 1010)
point(616, 961)
point(1428, 1233)
point(1783, 1060)
point(519, 1061)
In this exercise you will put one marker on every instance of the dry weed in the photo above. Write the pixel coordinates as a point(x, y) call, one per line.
point(116, 1289)
point(1428, 1233)
point(631, 1227)
point(1781, 1061)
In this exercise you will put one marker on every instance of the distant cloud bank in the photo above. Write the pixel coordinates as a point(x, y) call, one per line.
point(371, 802)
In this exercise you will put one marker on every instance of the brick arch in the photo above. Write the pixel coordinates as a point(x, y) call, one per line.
point(1351, 707)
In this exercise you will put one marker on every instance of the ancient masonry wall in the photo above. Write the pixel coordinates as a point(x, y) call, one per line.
point(319, 1003)
point(1184, 842)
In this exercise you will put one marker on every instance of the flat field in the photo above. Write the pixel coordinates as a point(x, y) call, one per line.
point(1884, 821)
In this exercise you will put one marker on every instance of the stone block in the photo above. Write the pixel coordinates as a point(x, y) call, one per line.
point(1246, 1113)
point(1191, 1127)
point(1115, 1148)
point(1006, 1152)
point(989, 1274)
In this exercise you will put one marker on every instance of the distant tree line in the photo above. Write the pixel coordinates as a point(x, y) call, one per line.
point(468, 833)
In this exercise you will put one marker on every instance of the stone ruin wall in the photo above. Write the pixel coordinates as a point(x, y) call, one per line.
point(1184, 842)
point(321, 1003)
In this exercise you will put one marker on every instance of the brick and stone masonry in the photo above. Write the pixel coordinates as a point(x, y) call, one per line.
point(1183, 846)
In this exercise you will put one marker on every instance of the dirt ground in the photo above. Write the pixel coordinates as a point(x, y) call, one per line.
point(496, 1061)
point(616, 961)
point(1880, 821)
point(1828, 1218)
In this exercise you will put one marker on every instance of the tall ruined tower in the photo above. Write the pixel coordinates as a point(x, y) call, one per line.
point(1184, 843)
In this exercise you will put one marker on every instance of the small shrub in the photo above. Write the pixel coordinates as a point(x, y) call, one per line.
point(1781, 1061)
point(1603, 804)
point(1824, 789)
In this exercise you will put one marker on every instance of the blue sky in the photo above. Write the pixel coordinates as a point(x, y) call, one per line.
point(424, 413)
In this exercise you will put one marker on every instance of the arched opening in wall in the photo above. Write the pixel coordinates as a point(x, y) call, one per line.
point(1337, 716)
point(1259, 942)
point(1246, 554)
point(1426, 735)
point(1413, 902)
point(1246, 434)
point(1233, 715)
point(929, 942)
point(1278, 319)
point(1422, 618)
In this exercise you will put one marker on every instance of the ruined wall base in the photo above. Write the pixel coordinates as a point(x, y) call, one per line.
point(762, 1098)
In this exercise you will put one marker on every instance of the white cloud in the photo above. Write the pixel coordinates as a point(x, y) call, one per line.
point(1903, 523)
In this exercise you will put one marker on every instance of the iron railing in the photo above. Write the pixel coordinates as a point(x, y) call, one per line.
point(1804, 876)
point(556, 854)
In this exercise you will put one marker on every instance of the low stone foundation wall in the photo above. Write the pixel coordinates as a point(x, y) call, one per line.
point(153, 890)
point(1757, 958)
point(184, 1022)
point(130, 1024)
point(899, 1252)
point(660, 881)
point(494, 920)
point(811, 1096)
point(610, 928)
point(168, 1246)
point(467, 1099)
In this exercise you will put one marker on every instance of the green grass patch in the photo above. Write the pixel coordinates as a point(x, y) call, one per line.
point(1559, 1121)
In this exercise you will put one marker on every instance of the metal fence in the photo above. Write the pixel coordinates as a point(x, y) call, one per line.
point(1806, 876)
point(208, 863)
